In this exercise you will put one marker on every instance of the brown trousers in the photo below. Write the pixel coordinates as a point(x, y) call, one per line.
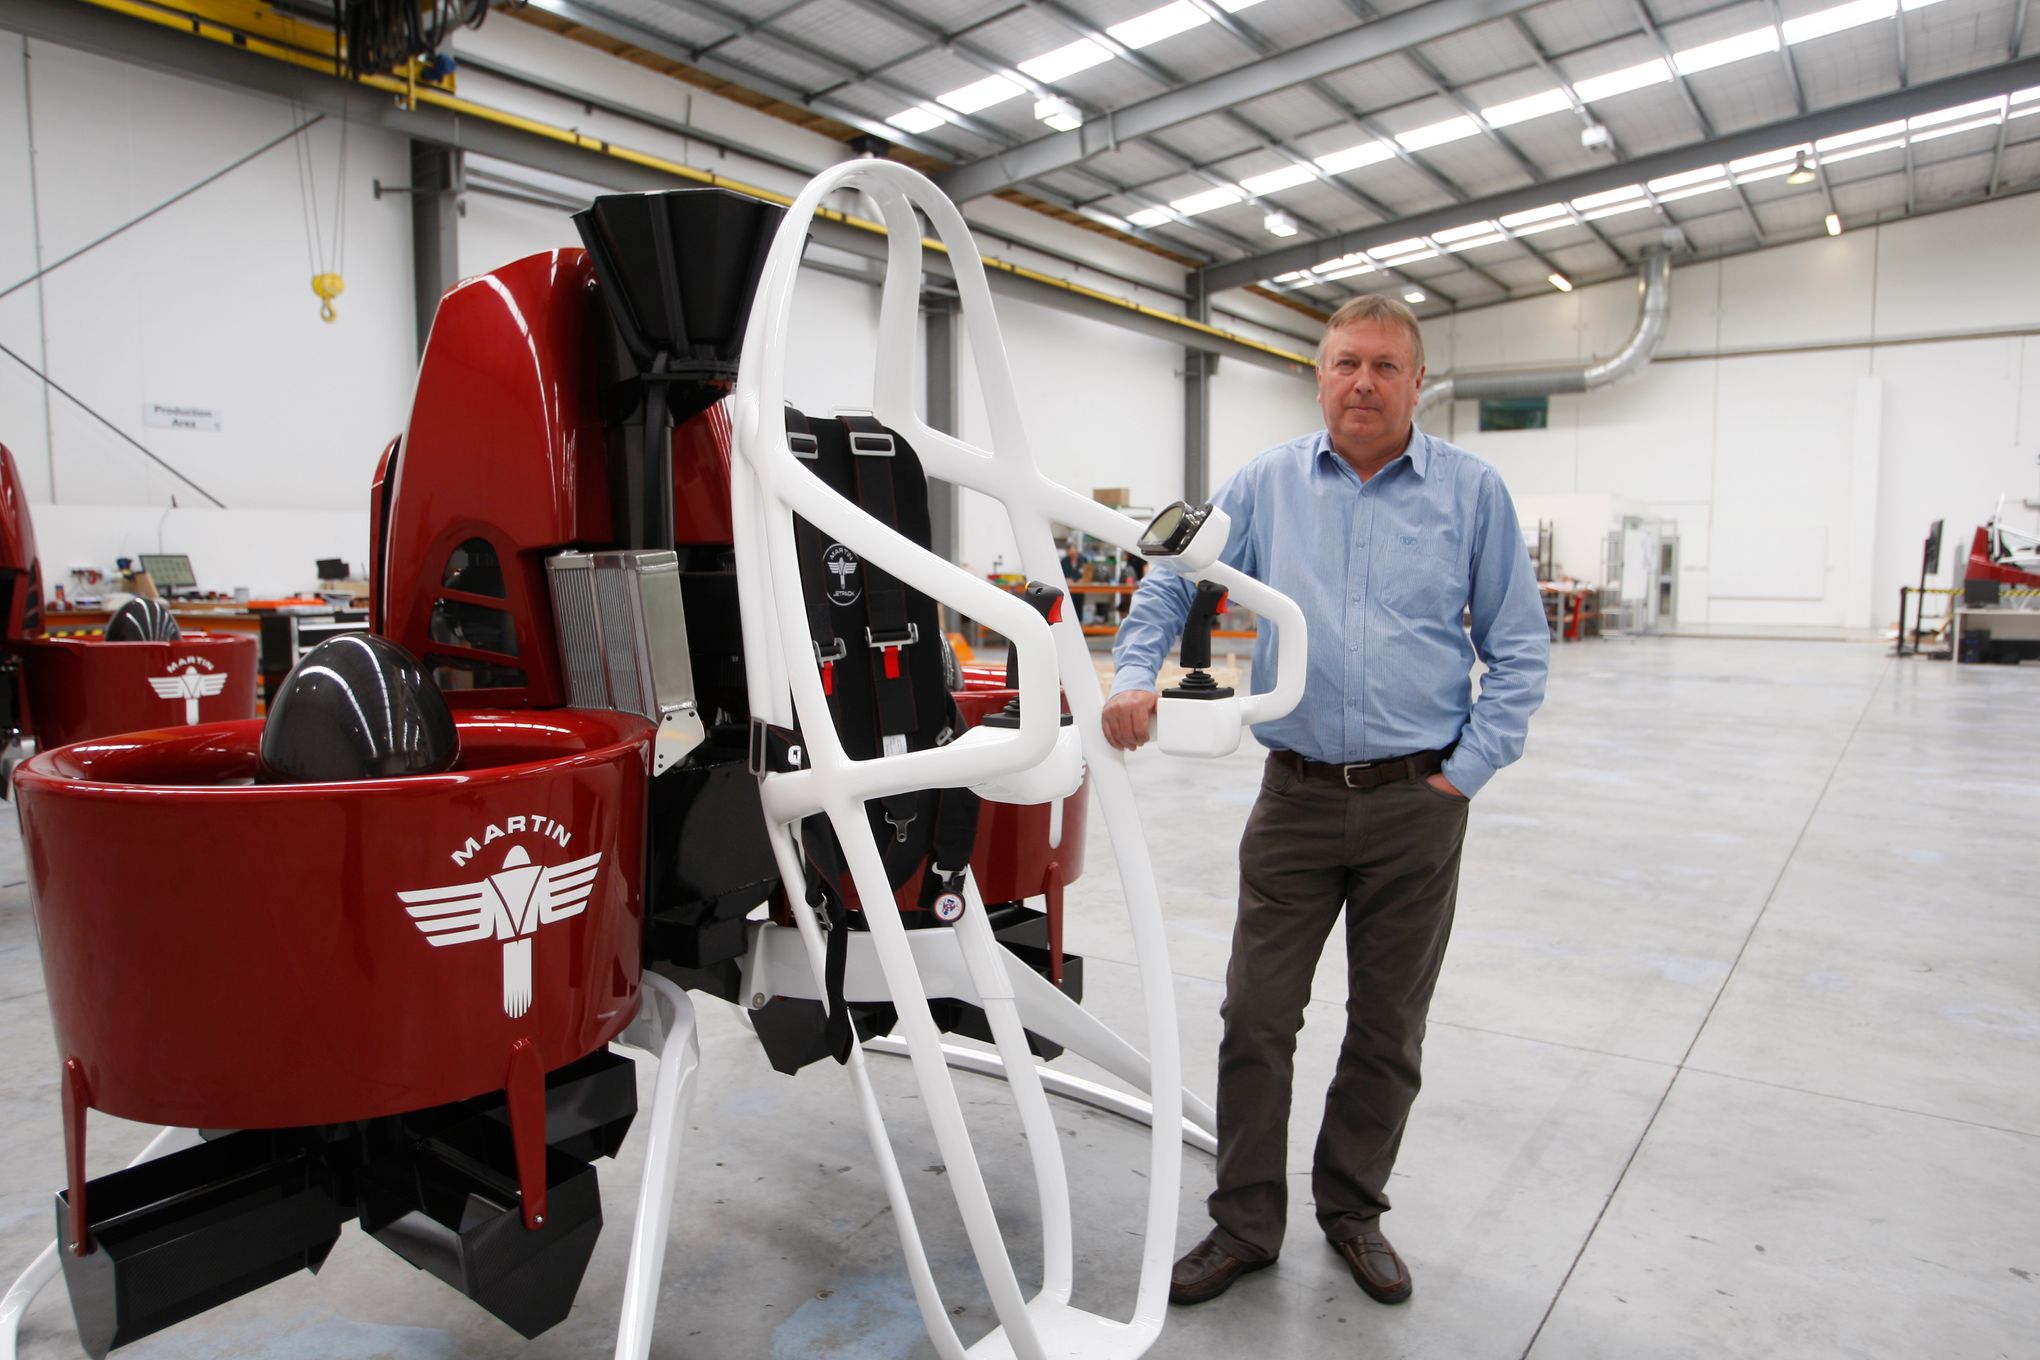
point(1390, 857)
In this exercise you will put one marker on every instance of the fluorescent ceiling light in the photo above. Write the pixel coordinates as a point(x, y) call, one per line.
point(1206, 201)
point(1291, 277)
point(1335, 275)
point(1950, 129)
point(1529, 215)
point(1926, 120)
point(1652, 72)
point(1148, 217)
point(1475, 243)
point(1607, 196)
point(1437, 134)
point(1398, 248)
point(1462, 233)
point(1279, 224)
point(1869, 134)
point(1080, 55)
point(1275, 181)
point(1340, 262)
point(1059, 113)
point(1353, 157)
point(1157, 24)
point(1414, 296)
point(917, 119)
point(1399, 261)
point(1559, 281)
point(1681, 180)
point(1535, 227)
point(1834, 225)
point(1528, 107)
point(1852, 15)
point(1707, 56)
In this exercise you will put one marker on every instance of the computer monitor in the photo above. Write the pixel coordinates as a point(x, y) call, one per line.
point(170, 571)
point(332, 569)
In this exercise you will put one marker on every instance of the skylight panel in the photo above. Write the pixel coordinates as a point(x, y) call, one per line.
point(1871, 149)
point(1524, 109)
point(1861, 135)
point(1652, 72)
point(980, 95)
point(1529, 215)
point(1991, 119)
point(1616, 211)
point(1437, 134)
point(1275, 181)
point(1335, 275)
point(1461, 233)
point(1492, 238)
point(1145, 29)
point(917, 119)
point(1340, 262)
point(1693, 191)
point(1681, 180)
point(1991, 106)
point(1852, 15)
point(1148, 217)
point(1353, 157)
point(1587, 202)
point(1064, 62)
point(1398, 248)
point(1763, 158)
point(2026, 96)
point(1707, 56)
point(1206, 201)
point(1533, 228)
point(1235, 6)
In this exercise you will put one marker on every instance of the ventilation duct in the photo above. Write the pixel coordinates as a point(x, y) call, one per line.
point(1655, 282)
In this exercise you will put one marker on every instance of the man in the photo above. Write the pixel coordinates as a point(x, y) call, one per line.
point(1385, 537)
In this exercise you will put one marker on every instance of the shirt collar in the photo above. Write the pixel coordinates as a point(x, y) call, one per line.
point(1418, 451)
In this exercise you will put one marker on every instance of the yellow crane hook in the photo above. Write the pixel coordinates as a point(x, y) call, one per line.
point(327, 286)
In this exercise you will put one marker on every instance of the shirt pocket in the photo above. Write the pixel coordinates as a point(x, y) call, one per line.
point(1427, 575)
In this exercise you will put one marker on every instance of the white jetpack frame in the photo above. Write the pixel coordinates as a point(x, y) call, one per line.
point(1038, 760)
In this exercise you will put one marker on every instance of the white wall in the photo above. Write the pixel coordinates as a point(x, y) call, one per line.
point(1803, 476)
point(208, 304)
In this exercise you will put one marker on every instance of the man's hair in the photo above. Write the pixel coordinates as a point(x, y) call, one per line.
point(1372, 307)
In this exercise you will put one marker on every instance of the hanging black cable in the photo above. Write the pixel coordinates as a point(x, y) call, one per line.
point(384, 34)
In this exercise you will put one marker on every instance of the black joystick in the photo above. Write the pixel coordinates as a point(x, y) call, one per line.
point(1047, 602)
point(1197, 629)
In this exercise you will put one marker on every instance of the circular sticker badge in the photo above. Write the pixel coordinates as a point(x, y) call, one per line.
point(948, 907)
point(846, 582)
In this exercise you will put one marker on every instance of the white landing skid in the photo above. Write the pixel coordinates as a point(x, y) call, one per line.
point(664, 1027)
point(769, 487)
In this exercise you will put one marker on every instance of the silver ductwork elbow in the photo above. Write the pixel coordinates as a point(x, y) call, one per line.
point(1655, 283)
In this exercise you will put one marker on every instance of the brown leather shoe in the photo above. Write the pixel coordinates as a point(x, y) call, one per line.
point(1378, 1271)
point(1208, 1270)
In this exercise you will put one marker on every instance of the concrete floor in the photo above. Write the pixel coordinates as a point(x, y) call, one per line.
point(1737, 1053)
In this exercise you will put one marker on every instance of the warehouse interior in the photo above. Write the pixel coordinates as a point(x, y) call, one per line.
point(1736, 1044)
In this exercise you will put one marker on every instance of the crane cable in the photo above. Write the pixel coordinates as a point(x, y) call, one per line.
point(326, 283)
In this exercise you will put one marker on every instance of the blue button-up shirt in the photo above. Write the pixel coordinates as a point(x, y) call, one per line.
point(1382, 570)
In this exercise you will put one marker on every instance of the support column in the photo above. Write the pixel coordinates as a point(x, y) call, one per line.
point(435, 228)
point(1198, 368)
point(939, 315)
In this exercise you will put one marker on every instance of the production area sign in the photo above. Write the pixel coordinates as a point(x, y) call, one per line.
point(162, 416)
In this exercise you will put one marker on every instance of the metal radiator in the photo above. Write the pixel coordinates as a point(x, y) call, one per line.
point(623, 642)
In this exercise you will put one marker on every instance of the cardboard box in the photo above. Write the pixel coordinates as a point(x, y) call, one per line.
point(1113, 495)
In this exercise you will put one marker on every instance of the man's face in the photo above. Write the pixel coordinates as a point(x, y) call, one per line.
point(1367, 386)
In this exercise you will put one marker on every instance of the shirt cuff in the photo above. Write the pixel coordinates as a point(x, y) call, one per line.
point(1467, 771)
point(1132, 678)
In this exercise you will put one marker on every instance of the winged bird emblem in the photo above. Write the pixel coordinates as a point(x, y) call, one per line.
point(190, 686)
point(509, 905)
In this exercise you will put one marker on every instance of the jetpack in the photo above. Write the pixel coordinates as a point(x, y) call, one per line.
point(656, 706)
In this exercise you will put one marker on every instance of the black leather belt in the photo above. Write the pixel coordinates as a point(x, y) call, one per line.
point(1368, 774)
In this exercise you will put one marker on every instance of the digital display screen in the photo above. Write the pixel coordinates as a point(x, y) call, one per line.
point(170, 571)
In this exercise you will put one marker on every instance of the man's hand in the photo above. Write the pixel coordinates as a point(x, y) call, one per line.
point(1129, 718)
point(1440, 783)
